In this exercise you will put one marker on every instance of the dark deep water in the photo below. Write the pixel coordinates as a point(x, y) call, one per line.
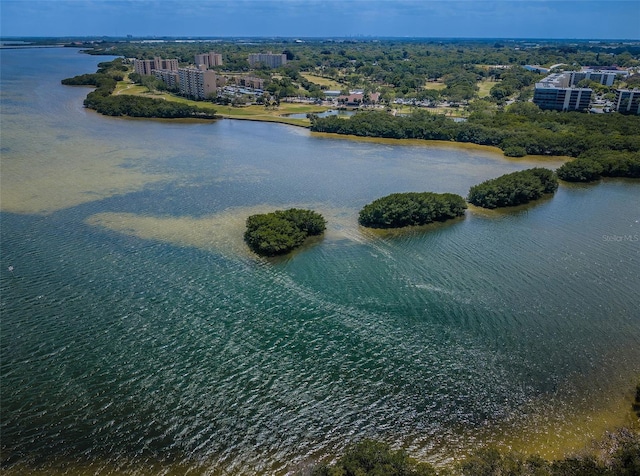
point(137, 333)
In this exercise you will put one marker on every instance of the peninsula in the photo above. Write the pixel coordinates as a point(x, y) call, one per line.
point(469, 91)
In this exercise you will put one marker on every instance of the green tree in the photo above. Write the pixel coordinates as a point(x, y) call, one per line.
point(580, 170)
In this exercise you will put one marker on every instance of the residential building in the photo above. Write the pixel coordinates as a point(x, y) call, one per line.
point(627, 101)
point(170, 78)
point(146, 67)
point(251, 82)
point(268, 59)
point(557, 93)
point(209, 59)
point(197, 83)
point(143, 67)
point(602, 77)
point(548, 96)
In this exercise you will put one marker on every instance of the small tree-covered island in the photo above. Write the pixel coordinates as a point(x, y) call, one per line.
point(411, 209)
point(279, 232)
point(513, 189)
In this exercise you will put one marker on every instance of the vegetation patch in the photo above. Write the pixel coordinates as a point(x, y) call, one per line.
point(323, 82)
point(411, 209)
point(513, 189)
point(523, 129)
point(279, 232)
point(370, 457)
point(619, 455)
point(601, 163)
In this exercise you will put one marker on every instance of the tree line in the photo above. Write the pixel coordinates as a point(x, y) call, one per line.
point(520, 130)
point(593, 165)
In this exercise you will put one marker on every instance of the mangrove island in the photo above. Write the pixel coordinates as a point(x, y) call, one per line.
point(411, 209)
point(279, 232)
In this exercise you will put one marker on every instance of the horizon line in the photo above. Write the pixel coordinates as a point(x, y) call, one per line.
point(361, 37)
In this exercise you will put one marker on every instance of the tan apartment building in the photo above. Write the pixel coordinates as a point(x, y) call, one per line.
point(267, 59)
point(197, 83)
point(146, 67)
point(208, 59)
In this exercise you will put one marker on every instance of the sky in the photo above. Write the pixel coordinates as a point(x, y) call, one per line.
point(573, 19)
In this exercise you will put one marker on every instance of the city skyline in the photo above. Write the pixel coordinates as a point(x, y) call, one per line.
point(569, 19)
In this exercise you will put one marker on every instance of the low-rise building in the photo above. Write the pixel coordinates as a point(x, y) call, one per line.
point(251, 82)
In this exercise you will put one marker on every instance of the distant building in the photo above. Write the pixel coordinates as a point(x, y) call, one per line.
point(146, 67)
point(268, 59)
point(627, 101)
point(555, 92)
point(602, 77)
point(358, 98)
point(197, 83)
point(208, 59)
point(251, 82)
point(536, 68)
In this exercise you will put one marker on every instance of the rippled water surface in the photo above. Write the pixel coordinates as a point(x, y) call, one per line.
point(140, 336)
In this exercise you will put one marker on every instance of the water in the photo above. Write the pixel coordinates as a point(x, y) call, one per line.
point(140, 336)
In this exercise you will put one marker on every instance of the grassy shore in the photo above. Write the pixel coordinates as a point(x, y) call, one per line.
point(253, 112)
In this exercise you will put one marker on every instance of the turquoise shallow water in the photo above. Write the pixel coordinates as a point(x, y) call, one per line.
point(125, 347)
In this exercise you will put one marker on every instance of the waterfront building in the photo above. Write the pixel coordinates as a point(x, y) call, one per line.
point(561, 99)
point(208, 59)
point(627, 101)
point(268, 59)
point(196, 83)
